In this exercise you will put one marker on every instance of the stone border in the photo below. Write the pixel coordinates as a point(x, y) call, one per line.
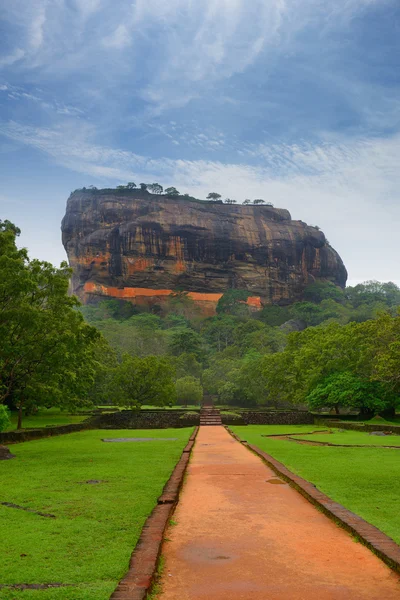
point(26, 435)
point(369, 535)
point(143, 563)
point(366, 428)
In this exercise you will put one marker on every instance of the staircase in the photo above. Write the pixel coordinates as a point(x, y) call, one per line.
point(210, 416)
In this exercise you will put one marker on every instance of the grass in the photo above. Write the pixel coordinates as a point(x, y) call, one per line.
point(89, 544)
point(350, 437)
point(364, 480)
point(46, 417)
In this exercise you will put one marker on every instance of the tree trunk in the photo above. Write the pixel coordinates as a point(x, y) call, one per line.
point(388, 413)
point(19, 425)
point(366, 414)
point(337, 411)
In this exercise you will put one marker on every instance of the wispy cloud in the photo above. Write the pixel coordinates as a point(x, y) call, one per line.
point(293, 101)
point(10, 59)
point(350, 188)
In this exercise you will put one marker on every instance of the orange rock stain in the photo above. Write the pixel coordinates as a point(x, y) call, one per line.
point(140, 294)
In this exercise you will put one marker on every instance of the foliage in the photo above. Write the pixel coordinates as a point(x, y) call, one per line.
point(187, 364)
point(5, 421)
point(171, 191)
point(185, 340)
point(190, 417)
point(323, 290)
point(274, 315)
point(189, 390)
point(155, 188)
point(233, 302)
point(47, 349)
point(213, 196)
point(347, 390)
point(229, 393)
point(138, 381)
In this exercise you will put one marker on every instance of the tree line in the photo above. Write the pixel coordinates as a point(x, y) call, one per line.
point(336, 349)
point(172, 192)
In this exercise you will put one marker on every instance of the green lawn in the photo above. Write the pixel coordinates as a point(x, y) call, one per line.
point(89, 544)
point(46, 416)
point(350, 437)
point(364, 480)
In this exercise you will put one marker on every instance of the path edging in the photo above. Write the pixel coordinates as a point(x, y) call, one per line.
point(369, 535)
point(144, 560)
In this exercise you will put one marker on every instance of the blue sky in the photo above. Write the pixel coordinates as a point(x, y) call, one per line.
point(294, 101)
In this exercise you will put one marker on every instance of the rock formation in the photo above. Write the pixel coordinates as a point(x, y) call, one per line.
point(141, 247)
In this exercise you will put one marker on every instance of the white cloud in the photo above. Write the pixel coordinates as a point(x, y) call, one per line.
point(120, 38)
point(349, 188)
point(37, 28)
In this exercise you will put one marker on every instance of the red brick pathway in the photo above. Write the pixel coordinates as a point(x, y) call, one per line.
point(242, 534)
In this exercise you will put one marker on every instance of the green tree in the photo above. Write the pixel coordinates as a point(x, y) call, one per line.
point(348, 390)
point(187, 364)
point(4, 417)
point(219, 331)
point(131, 185)
point(218, 373)
point(274, 315)
point(310, 313)
point(143, 186)
point(189, 390)
point(171, 191)
point(213, 196)
point(185, 340)
point(233, 302)
point(47, 350)
point(155, 188)
point(323, 290)
point(258, 201)
point(140, 381)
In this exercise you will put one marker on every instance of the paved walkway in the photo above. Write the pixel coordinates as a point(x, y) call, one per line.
point(241, 536)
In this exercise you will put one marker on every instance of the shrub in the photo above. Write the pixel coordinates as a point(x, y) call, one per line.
point(4, 417)
point(231, 418)
point(190, 417)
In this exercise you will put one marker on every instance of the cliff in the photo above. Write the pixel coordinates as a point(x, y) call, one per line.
point(135, 245)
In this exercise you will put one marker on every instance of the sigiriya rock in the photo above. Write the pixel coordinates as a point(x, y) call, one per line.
point(142, 247)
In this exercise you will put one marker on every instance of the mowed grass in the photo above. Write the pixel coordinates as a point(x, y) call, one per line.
point(349, 437)
point(364, 480)
point(46, 417)
point(97, 526)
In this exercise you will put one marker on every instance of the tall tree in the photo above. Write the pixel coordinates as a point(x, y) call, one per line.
point(155, 188)
point(171, 191)
point(47, 350)
point(140, 381)
point(213, 196)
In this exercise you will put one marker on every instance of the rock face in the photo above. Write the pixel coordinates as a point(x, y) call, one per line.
point(142, 247)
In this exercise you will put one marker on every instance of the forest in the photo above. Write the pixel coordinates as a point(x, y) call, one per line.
point(337, 349)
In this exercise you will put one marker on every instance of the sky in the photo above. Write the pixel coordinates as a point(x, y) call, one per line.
point(293, 101)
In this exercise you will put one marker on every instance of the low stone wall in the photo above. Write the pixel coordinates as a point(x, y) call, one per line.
point(395, 429)
point(130, 419)
point(13, 437)
point(290, 417)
